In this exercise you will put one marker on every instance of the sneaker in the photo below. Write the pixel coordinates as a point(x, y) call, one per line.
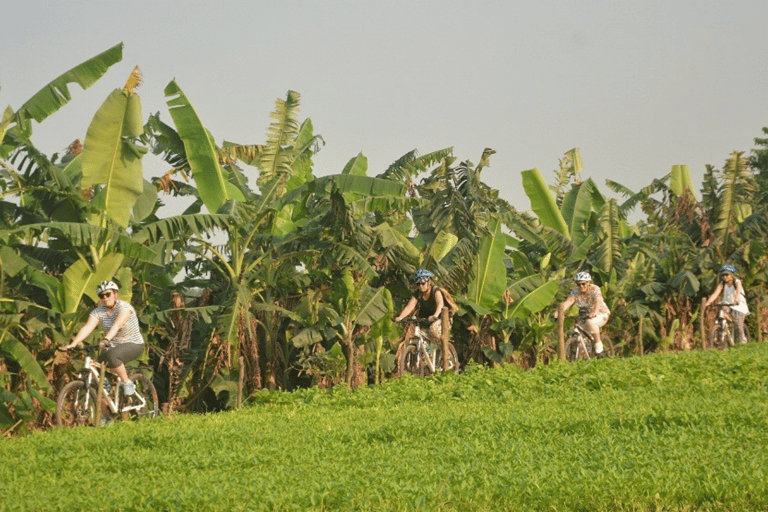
point(129, 388)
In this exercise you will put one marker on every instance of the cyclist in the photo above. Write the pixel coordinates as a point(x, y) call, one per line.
point(427, 302)
point(588, 295)
point(122, 338)
point(732, 293)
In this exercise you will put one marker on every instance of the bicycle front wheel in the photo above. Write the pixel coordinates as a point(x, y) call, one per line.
point(718, 337)
point(409, 362)
point(76, 405)
point(453, 359)
point(143, 403)
point(575, 349)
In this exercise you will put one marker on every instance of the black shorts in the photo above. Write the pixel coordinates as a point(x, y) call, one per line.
point(121, 354)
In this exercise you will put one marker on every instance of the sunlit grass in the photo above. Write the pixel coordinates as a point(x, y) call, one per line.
point(663, 432)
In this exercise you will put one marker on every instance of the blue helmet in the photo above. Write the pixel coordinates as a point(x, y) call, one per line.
point(421, 276)
point(730, 269)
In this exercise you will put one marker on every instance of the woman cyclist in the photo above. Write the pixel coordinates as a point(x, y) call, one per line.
point(732, 293)
point(588, 295)
point(427, 301)
point(122, 337)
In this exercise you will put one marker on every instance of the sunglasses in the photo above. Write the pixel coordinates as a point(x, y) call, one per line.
point(582, 283)
point(421, 281)
point(105, 295)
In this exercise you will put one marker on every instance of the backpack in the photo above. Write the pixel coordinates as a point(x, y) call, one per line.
point(448, 301)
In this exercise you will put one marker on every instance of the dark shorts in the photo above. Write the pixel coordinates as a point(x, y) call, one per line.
point(121, 354)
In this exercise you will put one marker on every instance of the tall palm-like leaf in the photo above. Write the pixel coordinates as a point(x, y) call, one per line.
point(489, 273)
point(408, 166)
point(56, 94)
point(680, 179)
point(542, 202)
point(201, 152)
point(276, 158)
point(110, 157)
point(577, 209)
point(734, 204)
point(609, 253)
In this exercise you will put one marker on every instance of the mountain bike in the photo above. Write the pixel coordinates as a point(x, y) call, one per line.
point(76, 404)
point(422, 357)
point(580, 344)
point(722, 334)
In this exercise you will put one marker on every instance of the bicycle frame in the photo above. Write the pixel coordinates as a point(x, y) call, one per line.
point(90, 375)
point(582, 336)
point(724, 323)
point(422, 347)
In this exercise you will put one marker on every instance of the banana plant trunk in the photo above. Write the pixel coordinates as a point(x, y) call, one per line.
point(560, 332)
point(446, 328)
point(349, 343)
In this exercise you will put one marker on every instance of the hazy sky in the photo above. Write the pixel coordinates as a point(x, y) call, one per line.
point(638, 85)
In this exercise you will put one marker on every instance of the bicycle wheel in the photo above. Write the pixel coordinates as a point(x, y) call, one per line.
point(717, 337)
point(608, 348)
point(453, 359)
point(728, 336)
point(575, 349)
point(409, 363)
point(71, 408)
point(146, 390)
point(746, 335)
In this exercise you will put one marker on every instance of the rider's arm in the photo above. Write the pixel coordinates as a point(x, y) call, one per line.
point(407, 310)
point(439, 306)
point(739, 291)
point(122, 318)
point(565, 305)
point(84, 332)
point(714, 295)
point(598, 302)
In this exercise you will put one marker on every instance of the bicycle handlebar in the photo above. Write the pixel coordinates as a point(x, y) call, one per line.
point(83, 348)
point(423, 322)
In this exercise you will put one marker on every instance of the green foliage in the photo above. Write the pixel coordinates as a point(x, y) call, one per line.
point(601, 436)
point(56, 94)
point(111, 157)
point(201, 151)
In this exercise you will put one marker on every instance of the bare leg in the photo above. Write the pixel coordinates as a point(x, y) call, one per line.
point(121, 372)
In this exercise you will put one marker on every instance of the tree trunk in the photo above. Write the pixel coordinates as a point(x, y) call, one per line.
point(560, 333)
point(445, 324)
point(241, 383)
point(703, 333)
point(349, 343)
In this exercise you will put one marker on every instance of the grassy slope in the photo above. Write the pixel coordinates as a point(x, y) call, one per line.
point(663, 432)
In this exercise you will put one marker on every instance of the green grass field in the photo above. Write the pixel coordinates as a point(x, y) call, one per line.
point(682, 431)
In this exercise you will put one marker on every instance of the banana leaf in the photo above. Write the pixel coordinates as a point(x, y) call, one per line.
point(542, 202)
point(80, 280)
point(357, 166)
point(537, 300)
point(489, 273)
point(19, 353)
point(111, 159)
point(56, 94)
point(680, 180)
point(576, 209)
point(212, 184)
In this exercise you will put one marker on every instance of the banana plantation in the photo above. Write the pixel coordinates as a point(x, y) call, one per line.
point(274, 278)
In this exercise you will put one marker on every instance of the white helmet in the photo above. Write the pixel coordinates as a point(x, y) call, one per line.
point(106, 285)
point(582, 276)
